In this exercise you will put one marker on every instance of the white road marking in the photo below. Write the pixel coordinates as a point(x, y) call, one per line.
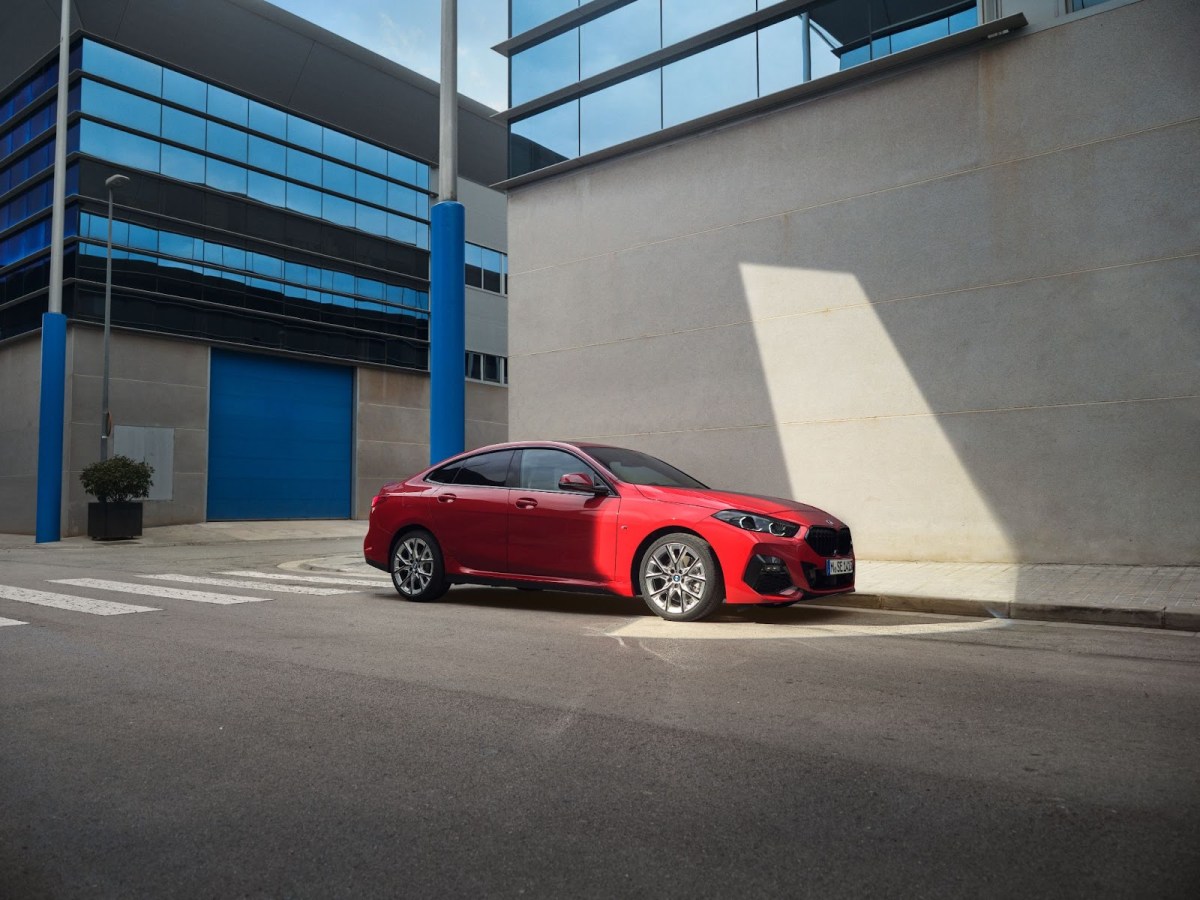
point(4, 622)
point(654, 627)
point(66, 601)
point(311, 579)
point(154, 590)
point(250, 585)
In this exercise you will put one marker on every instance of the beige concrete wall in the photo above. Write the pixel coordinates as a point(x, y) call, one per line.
point(20, 381)
point(392, 427)
point(153, 381)
point(956, 306)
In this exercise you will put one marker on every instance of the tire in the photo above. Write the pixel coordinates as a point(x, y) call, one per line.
point(418, 572)
point(679, 578)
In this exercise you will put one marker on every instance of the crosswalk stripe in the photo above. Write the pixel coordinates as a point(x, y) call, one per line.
point(311, 579)
point(75, 604)
point(154, 590)
point(4, 622)
point(250, 585)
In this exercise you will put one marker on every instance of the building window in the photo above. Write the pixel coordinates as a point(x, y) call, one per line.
point(487, 368)
point(486, 269)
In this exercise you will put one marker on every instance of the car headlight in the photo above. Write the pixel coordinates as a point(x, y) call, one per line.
point(764, 524)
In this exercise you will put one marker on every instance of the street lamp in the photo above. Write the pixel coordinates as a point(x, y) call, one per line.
point(113, 182)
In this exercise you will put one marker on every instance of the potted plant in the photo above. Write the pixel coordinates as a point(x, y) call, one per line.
point(117, 484)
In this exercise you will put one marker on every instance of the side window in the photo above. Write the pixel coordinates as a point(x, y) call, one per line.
point(542, 468)
point(485, 470)
point(446, 474)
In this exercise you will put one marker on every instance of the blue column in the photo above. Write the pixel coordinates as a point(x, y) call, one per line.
point(447, 332)
point(50, 427)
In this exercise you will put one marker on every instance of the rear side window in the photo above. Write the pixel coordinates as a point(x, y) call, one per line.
point(484, 470)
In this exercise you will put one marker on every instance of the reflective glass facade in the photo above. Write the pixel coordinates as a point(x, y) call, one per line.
point(243, 223)
point(806, 42)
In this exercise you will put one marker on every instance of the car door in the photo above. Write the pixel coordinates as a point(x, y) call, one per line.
point(470, 512)
point(554, 533)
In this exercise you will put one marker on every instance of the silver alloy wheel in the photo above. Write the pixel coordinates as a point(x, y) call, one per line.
point(675, 578)
point(412, 568)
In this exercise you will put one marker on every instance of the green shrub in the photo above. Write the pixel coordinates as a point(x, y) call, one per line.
point(117, 480)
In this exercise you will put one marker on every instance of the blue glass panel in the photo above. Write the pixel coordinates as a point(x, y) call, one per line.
point(142, 238)
point(555, 130)
point(685, 18)
point(226, 141)
point(303, 132)
point(371, 189)
point(266, 265)
point(621, 112)
point(781, 56)
point(371, 157)
point(303, 166)
point(401, 229)
point(969, 18)
point(268, 119)
point(297, 273)
point(225, 177)
point(716, 79)
point(338, 210)
point(267, 189)
point(545, 67)
point(491, 260)
point(184, 90)
point(856, 56)
point(182, 164)
point(343, 282)
point(123, 108)
point(619, 37)
point(304, 200)
point(176, 244)
point(422, 176)
point(401, 199)
point(227, 105)
point(338, 145)
point(369, 287)
point(122, 68)
point(881, 46)
point(422, 236)
point(118, 147)
point(336, 177)
point(370, 219)
point(527, 14)
point(267, 155)
point(401, 168)
point(233, 257)
point(922, 34)
point(183, 127)
point(473, 255)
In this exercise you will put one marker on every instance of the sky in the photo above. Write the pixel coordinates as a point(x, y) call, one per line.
point(409, 32)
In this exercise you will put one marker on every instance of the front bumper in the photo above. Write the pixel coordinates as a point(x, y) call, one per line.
point(785, 570)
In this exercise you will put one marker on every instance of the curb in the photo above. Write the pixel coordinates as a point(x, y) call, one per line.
point(1135, 617)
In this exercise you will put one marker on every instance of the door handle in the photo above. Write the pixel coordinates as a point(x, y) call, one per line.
point(446, 498)
point(526, 503)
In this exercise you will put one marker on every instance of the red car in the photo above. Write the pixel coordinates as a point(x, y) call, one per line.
point(601, 519)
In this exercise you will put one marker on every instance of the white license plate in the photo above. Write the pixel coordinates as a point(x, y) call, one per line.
point(839, 566)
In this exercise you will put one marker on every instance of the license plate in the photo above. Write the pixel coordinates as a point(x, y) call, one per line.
point(839, 566)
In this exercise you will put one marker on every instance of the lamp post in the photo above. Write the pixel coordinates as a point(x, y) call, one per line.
point(113, 182)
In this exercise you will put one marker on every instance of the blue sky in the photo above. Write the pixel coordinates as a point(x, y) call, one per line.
point(408, 32)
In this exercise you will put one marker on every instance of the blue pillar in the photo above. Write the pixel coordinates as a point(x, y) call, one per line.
point(447, 332)
point(50, 427)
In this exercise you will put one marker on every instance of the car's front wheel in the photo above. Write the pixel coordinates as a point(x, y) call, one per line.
point(417, 569)
point(679, 578)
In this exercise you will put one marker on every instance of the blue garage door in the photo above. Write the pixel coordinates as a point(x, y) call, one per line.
point(279, 438)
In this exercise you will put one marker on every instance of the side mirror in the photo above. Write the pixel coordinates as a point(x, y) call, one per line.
point(580, 483)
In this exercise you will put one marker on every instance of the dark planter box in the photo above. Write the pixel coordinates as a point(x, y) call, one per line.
point(114, 521)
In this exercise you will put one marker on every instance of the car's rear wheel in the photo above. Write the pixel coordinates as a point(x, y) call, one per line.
point(417, 569)
point(679, 578)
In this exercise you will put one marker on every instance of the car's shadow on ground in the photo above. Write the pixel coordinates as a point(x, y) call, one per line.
point(630, 607)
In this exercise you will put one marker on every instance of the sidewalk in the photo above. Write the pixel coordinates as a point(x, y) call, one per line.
point(1147, 597)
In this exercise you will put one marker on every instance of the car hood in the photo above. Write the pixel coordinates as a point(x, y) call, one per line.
point(752, 503)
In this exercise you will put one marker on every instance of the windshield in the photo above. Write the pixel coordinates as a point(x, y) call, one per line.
point(633, 467)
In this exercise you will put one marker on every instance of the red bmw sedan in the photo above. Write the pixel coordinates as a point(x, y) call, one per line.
point(577, 516)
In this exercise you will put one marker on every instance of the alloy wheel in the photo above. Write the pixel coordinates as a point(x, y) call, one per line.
point(675, 578)
point(412, 569)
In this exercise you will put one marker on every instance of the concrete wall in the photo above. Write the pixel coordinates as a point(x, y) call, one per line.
point(153, 381)
point(392, 427)
point(20, 380)
point(955, 306)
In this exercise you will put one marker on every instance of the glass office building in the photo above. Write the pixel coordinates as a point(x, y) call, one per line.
point(244, 223)
point(270, 258)
point(586, 77)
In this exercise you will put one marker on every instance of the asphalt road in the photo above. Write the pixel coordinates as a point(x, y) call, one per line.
point(506, 743)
